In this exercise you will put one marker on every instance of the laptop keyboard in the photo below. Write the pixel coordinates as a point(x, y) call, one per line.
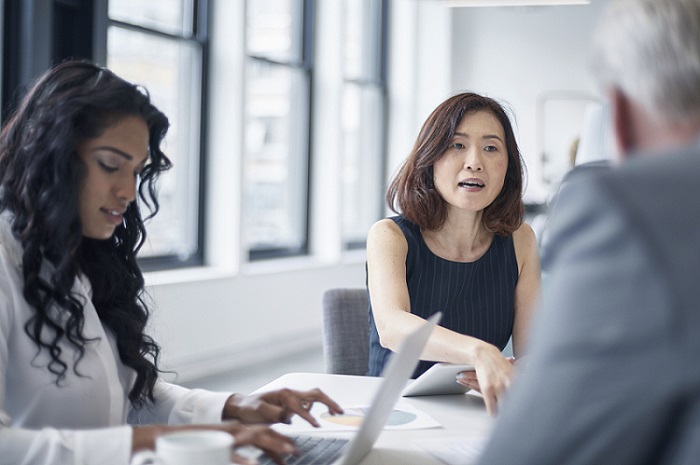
point(313, 450)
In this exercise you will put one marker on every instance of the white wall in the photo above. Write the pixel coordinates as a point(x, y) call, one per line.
point(519, 54)
point(210, 325)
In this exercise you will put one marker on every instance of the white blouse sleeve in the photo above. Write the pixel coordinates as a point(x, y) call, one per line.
point(177, 405)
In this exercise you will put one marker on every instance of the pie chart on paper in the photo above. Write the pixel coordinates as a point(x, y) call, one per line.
point(355, 417)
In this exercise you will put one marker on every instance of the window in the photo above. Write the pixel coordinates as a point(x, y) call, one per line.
point(277, 121)
point(162, 46)
point(364, 121)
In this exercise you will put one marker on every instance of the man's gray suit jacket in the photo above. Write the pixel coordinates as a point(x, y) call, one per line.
point(612, 374)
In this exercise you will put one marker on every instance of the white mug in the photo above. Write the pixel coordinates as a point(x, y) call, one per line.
point(195, 447)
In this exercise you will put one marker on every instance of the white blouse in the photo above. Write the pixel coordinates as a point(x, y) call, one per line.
point(84, 419)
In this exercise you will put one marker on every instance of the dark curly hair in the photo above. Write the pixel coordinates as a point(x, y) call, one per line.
point(41, 175)
point(412, 191)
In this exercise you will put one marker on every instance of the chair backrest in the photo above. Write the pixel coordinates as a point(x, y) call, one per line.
point(346, 331)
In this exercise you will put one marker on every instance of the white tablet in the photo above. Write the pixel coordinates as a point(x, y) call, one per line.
point(438, 380)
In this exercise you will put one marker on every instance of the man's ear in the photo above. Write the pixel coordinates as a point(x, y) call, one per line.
point(622, 116)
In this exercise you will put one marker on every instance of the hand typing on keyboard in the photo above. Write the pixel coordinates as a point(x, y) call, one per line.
point(273, 407)
point(277, 406)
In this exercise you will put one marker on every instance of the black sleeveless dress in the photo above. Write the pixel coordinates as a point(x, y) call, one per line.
point(476, 298)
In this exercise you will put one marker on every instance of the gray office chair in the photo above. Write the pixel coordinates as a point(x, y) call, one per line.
point(346, 331)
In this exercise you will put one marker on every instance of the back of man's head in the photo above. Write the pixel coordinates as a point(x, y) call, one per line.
point(650, 51)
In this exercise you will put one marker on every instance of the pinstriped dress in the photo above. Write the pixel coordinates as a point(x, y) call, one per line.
point(476, 298)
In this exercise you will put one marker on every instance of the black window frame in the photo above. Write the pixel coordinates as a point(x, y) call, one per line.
point(380, 82)
point(305, 64)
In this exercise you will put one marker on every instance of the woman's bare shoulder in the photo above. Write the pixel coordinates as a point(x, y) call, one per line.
point(385, 232)
point(384, 227)
point(525, 244)
point(524, 235)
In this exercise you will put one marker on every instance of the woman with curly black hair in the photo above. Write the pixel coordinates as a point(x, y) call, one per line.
point(78, 373)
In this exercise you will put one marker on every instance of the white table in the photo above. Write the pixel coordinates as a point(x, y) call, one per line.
point(460, 415)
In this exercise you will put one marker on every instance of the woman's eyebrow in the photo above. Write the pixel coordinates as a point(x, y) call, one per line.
point(493, 136)
point(486, 136)
point(114, 150)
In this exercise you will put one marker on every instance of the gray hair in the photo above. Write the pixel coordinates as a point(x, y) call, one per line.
point(650, 50)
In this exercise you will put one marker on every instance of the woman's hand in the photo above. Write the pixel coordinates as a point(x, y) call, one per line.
point(274, 444)
point(469, 379)
point(277, 406)
point(491, 376)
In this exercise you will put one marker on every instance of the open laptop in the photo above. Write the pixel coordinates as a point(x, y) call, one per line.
point(337, 451)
